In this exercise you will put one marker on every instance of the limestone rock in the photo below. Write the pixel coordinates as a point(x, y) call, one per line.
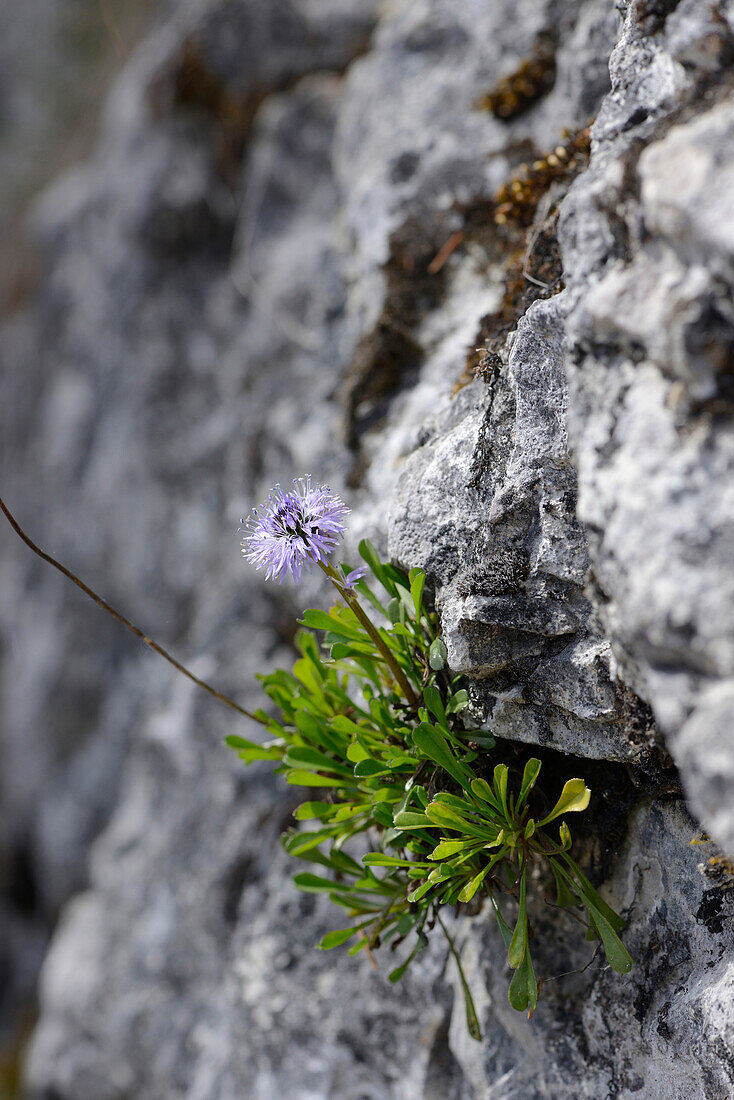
point(279, 260)
point(649, 322)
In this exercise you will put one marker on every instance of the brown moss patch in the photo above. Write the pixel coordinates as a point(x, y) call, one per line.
point(718, 866)
point(192, 86)
point(532, 261)
point(533, 78)
point(516, 201)
point(414, 278)
point(420, 252)
point(652, 14)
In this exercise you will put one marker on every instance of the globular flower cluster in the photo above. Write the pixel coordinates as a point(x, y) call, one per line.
point(294, 529)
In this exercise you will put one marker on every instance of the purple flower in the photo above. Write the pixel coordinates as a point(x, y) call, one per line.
point(351, 578)
point(294, 529)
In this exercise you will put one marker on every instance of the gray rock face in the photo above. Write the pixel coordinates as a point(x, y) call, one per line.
point(648, 256)
point(288, 240)
point(487, 507)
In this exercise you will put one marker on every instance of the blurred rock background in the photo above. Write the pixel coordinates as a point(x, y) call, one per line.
point(374, 241)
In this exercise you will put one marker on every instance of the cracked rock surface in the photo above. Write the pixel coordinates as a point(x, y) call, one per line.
point(297, 232)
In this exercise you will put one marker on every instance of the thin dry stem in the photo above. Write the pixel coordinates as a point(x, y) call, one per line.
point(121, 618)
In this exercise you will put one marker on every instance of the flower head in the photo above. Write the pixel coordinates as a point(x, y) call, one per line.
point(293, 529)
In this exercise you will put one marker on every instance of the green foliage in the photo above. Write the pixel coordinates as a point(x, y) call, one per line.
point(441, 824)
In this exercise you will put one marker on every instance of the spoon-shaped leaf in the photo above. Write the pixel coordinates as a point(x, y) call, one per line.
point(574, 797)
point(500, 786)
point(417, 580)
point(531, 773)
point(473, 885)
point(437, 654)
point(434, 702)
point(483, 791)
point(519, 941)
point(523, 991)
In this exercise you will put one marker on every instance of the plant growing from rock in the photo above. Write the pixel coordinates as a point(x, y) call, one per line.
point(413, 814)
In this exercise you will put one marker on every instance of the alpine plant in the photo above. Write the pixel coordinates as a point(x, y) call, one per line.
point(411, 814)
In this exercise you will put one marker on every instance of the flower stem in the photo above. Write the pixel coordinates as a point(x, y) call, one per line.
point(373, 632)
point(121, 619)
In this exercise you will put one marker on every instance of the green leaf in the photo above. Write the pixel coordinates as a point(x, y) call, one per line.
point(437, 654)
point(341, 650)
point(434, 702)
point(574, 797)
point(248, 755)
point(481, 738)
point(407, 820)
point(364, 590)
point(357, 752)
point(500, 786)
point(309, 647)
point(365, 769)
point(394, 758)
point(317, 732)
point(483, 791)
point(442, 872)
point(451, 847)
point(309, 810)
point(297, 844)
point(564, 895)
point(337, 938)
point(368, 553)
point(396, 974)
point(383, 815)
point(342, 724)
point(322, 620)
point(523, 991)
point(314, 884)
point(378, 859)
point(405, 598)
point(312, 779)
point(305, 671)
point(593, 896)
point(603, 920)
point(505, 930)
point(416, 791)
point(359, 946)
point(456, 802)
point(519, 941)
point(235, 742)
point(617, 954)
point(459, 701)
point(417, 580)
point(251, 750)
point(531, 773)
point(471, 887)
point(401, 631)
point(447, 818)
point(472, 1020)
point(302, 756)
point(434, 745)
point(417, 894)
